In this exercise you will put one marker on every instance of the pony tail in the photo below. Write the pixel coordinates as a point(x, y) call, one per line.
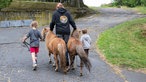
point(83, 56)
point(62, 55)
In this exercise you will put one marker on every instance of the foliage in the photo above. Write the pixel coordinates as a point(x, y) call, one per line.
point(130, 3)
point(73, 3)
point(30, 6)
point(4, 3)
point(124, 45)
point(143, 2)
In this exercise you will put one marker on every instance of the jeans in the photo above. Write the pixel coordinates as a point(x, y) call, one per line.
point(65, 38)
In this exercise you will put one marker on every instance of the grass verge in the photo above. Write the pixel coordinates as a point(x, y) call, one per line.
point(29, 6)
point(124, 45)
point(140, 9)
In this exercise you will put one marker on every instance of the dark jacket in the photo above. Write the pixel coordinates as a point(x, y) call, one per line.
point(62, 19)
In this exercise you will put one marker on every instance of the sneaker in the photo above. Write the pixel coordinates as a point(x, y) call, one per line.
point(34, 67)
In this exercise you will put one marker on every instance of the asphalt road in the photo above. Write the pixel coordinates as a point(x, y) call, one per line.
point(16, 63)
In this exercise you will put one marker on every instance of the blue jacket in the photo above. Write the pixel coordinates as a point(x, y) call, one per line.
point(34, 36)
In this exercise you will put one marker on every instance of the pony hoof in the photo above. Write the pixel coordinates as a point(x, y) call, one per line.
point(50, 62)
point(56, 70)
point(68, 69)
point(54, 65)
point(73, 68)
point(65, 72)
point(81, 74)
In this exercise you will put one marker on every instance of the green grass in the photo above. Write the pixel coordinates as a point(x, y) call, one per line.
point(29, 6)
point(140, 9)
point(93, 8)
point(124, 44)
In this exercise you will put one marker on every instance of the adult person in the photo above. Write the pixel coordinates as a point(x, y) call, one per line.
point(61, 20)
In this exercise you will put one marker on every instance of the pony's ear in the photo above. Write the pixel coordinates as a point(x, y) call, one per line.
point(45, 28)
point(80, 31)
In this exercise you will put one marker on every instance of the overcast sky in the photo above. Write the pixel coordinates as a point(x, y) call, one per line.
point(96, 3)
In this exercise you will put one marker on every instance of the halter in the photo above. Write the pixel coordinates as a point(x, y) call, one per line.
point(44, 36)
point(27, 45)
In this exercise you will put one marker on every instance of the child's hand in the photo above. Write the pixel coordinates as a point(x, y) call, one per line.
point(23, 40)
point(42, 40)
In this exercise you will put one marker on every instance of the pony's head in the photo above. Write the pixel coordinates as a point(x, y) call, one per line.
point(76, 33)
point(44, 32)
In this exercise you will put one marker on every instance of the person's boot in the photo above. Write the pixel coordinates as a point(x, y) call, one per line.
point(67, 61)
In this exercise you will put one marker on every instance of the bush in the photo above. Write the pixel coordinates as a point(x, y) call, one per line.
point(130, 3)
point(4, 3)
point(143, 2)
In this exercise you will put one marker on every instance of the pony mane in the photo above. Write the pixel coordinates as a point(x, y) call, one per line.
point(47, 32)
point(75, 34)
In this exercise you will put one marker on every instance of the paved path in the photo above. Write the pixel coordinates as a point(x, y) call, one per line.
point(16, 64)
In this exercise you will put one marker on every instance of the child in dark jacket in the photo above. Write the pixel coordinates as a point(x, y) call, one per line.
point(34, 35)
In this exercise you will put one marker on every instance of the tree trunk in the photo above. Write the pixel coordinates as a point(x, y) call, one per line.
point(76, 3)
point(62, 1)
point(82, 3)
point(72, 3)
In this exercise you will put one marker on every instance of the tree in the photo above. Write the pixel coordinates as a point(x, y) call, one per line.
point(4, 3)
point(73, 3)
point(76, 3)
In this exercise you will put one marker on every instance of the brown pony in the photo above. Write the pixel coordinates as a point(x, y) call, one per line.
point(55, 46)
point(75, 47)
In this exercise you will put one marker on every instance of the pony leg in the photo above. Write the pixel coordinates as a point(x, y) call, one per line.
point(72, 62)
point(50, 61)
point(54, 65)
point(56, 62)
point(81, 68)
